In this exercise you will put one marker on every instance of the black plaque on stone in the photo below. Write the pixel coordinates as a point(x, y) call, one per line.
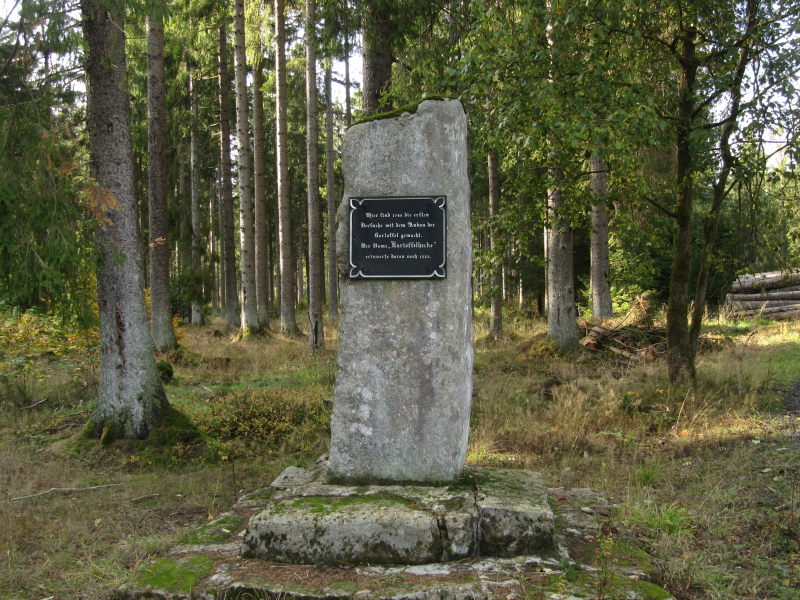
point(398, 237)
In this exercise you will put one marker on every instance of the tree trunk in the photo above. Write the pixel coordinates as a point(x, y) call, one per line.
point(562, 327)
point(184, 215)
point(504, 277)
point(250, 323)
point(270, 261)
point(159, 246)
point(348, 110)
point(316, 333)
point(600, 265)
point(333, 291)
point(194, 195)
point(720, 190)
point(230, 301)
point(261, 225)
point(299, 287)
point(287, 267)
point(377, 56)
point(546, 255)
point(496, 315)
point(276, 237)
point(213, 248)
point(679, 356)
point(130, 397)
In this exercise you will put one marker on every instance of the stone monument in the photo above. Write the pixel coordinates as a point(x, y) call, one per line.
point(374, 512)
point(403, 391)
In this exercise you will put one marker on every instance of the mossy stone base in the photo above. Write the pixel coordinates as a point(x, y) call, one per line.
point(344, 530)
point(586, 554)
point(496, 512)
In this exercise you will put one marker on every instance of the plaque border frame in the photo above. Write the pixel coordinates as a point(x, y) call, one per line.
point(439, 201)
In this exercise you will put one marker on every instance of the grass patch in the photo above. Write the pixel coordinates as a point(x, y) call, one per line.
point(217, 531)
point(664, 519)
point(708, 476)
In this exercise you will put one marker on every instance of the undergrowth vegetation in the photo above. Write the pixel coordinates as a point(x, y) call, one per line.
point(707, 476)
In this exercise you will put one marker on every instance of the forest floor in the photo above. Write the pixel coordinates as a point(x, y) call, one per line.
point(708, 477)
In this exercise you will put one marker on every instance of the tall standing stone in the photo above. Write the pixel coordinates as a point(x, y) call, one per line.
point(403, 390)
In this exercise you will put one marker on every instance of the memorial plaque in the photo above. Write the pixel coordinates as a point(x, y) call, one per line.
point(398, 237)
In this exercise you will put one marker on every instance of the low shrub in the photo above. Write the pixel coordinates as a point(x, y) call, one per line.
point(165, 371)
point(267, 416)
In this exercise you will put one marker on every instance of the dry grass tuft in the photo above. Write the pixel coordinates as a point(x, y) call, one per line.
point(708, 475)
point(699, 471)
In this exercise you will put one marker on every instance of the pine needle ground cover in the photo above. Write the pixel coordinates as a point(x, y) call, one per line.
point(708, 477)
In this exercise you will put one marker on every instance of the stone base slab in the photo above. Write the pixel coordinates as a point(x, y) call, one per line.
point(488, 512)
point(206, 564)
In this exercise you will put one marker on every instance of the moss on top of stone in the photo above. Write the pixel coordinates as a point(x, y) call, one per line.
point(408, 108)
point(175, 575)
point(470, 480)
point(329, 504)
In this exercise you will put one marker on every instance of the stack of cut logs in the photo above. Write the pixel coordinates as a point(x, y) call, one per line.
point(774, 295)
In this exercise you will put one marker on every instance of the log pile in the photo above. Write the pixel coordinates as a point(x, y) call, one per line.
point(631, 343)
point(773, 295)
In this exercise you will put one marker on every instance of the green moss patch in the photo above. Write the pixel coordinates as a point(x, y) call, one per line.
point(345, 587)
point(216, 531)
point(649, 591)
point(175, 575)
point(576, 583)
point(470, 480)
point(408, 108)
point(329, 504)
point(174, 440)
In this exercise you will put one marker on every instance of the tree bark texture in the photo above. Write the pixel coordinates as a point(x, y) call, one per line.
point(184, 216)
point(316, 331)
point(230, 302)
point(377, 67)
point(285, 249)
point(299, 286)
point(545, 250)
point(158, 243)
point(260, 188)
point(680, 366)
point(330, 187)
point(600, 264)
point(250, 323)
point(562, 326)
point(348, 109)
point(130, 397)
point(720, 189)
point(213, 247)
point(194, 195)
point(496, 313)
